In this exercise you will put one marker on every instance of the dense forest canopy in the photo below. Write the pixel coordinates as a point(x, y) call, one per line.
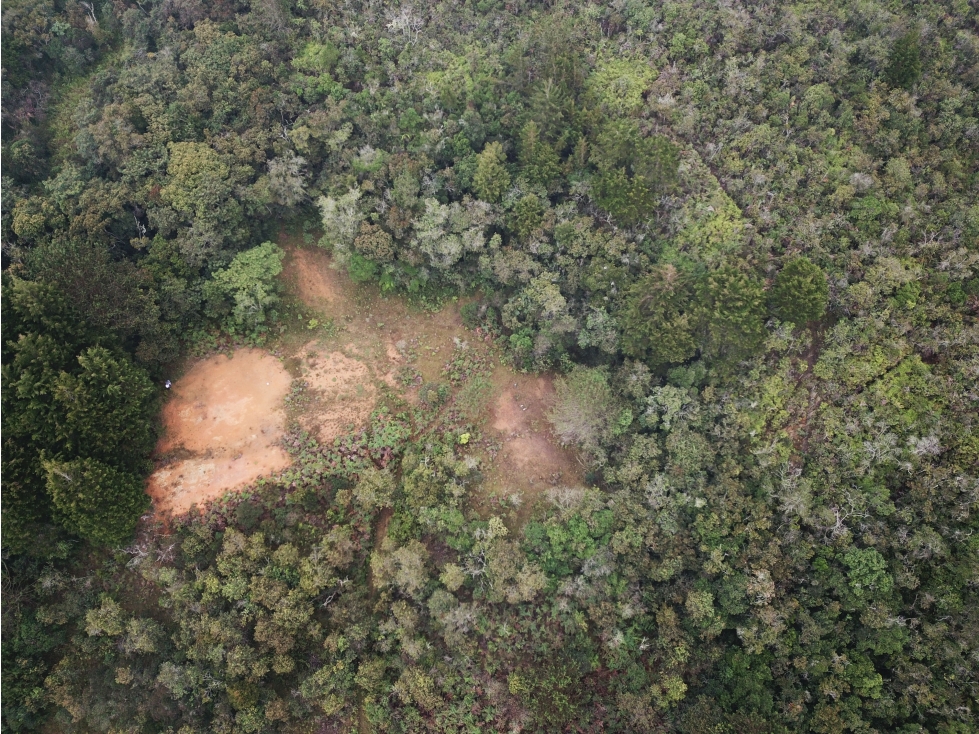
point(744, 235)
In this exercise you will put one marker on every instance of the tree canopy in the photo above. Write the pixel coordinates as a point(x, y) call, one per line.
point(740, 241)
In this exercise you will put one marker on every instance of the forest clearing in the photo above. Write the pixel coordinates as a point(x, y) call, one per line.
point(227, 414)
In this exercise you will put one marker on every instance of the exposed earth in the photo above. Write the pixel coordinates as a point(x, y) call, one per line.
point(530, 459)
point(222, 424)
point(225, 416)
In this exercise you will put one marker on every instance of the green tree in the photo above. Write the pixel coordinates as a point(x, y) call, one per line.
point(800, 293)
point(586, 412)
point(867, 572)
point(730, 303)
point(659, 318)
point(102, 410)
point(492, 178)
point(539, 164)
point(632, 170)
point(67, 396)
point(528, 213)
point(904, 65)
point(95, 501)
point(248, 286)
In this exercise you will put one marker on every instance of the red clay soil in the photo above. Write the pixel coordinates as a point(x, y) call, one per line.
point(223, 420)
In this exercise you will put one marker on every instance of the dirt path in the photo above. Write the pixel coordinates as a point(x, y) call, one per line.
point(222, 423)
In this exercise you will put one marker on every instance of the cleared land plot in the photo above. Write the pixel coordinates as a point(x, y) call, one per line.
point(221, 428)
point(226, 416)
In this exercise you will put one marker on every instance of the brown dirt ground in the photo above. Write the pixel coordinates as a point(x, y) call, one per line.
point(317, 283)
point(221, 425)
point(225, 416)
point(343, 388)
point(530, 460)
point(372, 324)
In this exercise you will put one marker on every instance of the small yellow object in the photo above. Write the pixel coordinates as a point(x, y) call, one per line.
point(464, 439)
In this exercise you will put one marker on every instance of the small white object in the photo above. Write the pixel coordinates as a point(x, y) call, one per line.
point(167, 384)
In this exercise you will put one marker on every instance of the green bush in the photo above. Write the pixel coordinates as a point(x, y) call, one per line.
point(360, 269)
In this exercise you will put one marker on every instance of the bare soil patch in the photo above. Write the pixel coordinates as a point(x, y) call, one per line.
point(530, 459)
point(381, 332)
point(343, 389)
point(226, 416)
point(374, 328)
point(317, 282)
point(223, 419)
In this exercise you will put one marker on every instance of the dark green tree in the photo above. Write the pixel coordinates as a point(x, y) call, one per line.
point(658, 318)
point(95, 501)
point(114, 295)
point(731, 312)
point(800, 293)
point(904, 64)
point(102, 410)
point(68, 394)
point(41, 335)
point(527, 215)
point(632, 171)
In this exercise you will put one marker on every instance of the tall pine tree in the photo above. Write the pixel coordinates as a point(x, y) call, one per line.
point(69, 394)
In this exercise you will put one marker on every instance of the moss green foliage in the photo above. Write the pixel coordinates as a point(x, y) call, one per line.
point(775, 528)
point(491, 179)
point(620, 84)
point(800, 293)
